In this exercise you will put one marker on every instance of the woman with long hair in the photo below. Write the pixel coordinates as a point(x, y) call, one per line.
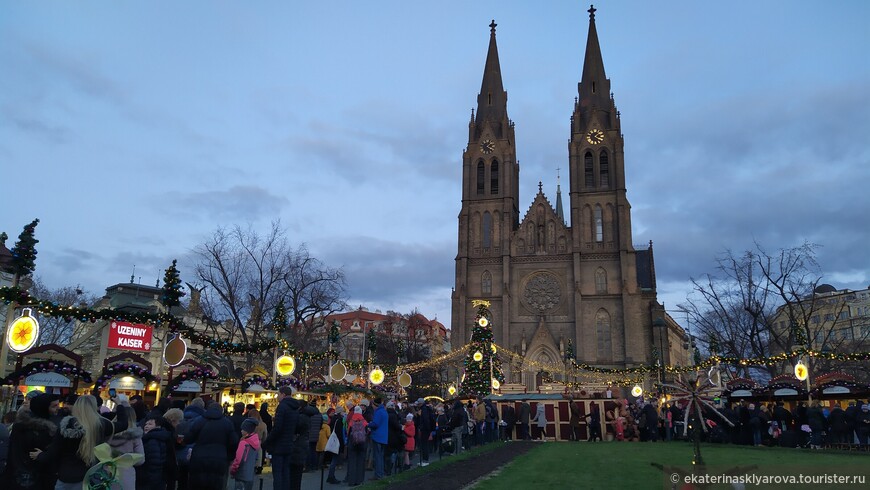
point(127, 442)
point(79, 433)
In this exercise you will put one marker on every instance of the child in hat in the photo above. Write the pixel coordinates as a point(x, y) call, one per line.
point(242, 468)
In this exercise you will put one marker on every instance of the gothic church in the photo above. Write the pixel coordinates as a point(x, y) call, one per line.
point(550, 282)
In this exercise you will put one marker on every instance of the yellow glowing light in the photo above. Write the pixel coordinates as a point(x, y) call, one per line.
point(451, 390)
point(636, 391)
point(376, 376)
point(23, 332)
point(478, 356)
point(482, 321)
point(285, 365)
point(801, 371)
point(495, 384)
point(492, 347)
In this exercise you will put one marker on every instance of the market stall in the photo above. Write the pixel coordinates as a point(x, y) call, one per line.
point(49, 368)
point(129, 374)
point(188, 379)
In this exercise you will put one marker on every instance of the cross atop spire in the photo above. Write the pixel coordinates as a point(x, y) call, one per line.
point(492, 100)
point(492, 27)
point(591, 12)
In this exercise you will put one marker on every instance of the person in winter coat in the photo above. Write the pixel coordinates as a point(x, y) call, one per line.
point(337, 426)
point(299, 454)
point(425, 424)
point(192, 412)
point(457, 425)
point(159, 467)
point(540, 422)
point(862, 425)
point(266, 416)
point(72, 452)
point(242, 467)
point(479, 423)
point(525, 411)
point(127, 442)
point(838, 427)
point(651, 429)
point(509, 415)
point(395, 438)
point(574, 420)
point(315, 423)
point(410, 431)
point(594, 422)
point(238, 416)
point(816, 421)
point(322, 439)
point(214, 443)
point(378, 428)
point(32, 429)
point(262, 432)
point(279, 443)
point(356, 447)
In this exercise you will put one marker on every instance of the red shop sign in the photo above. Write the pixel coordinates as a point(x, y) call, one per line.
point(130, 336)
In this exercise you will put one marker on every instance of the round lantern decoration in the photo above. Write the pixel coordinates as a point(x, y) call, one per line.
point(376, 376)
point(801, 372)
point(285, 365)
point(636, 391)
point(492, 348)
point(495, 384)
point(483, 322)
point(23, 332)
point(451, 390)
point(478, 356)
point(175, 351)
point(404, 380)
point(338, 371)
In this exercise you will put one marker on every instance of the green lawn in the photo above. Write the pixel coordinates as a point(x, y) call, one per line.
point(628, 465)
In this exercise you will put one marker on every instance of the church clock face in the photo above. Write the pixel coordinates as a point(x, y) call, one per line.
point(595, 136)
point(487, 146)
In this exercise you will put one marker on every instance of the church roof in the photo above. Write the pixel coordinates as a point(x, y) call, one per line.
point(593, 83)
point(540, 198)
point(492, 100)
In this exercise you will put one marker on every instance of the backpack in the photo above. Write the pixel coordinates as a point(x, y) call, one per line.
point(357, 433)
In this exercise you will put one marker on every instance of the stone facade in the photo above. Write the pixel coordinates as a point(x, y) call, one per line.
point(550, 281)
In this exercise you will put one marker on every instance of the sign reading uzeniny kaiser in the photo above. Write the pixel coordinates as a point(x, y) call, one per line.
point(129, 336)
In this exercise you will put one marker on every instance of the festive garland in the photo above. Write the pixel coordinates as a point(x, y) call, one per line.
point(192, 374)
point(299, 385)
point(257, 380)
point(62, 368)
point(121, 368)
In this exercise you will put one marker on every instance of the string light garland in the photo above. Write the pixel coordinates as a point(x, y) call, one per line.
point(192, 374)
point(62, 368)
point(124, 369)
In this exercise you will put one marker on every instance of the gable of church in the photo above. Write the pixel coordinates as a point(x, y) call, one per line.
point(541, 230)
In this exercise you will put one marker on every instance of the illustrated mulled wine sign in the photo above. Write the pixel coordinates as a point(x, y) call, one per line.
point(130, 336)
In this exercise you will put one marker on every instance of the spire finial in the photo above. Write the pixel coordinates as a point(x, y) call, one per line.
point(492, 27)
point(557, 175)
point(540, 186)
point(591, 12)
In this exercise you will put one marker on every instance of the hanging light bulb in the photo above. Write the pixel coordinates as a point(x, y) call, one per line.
point(376, 376)
point(482, 321)
point(495, 384)
point(636, 391)
point(478, 356)
point(451, 390)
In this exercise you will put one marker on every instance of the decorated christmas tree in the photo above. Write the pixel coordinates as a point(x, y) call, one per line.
point(24, 251)
point(482, 365)
point(172, 292)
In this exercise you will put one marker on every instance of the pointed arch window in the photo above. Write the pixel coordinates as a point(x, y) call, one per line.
point(604, 168)
point(486, 283)
point(481, 175)
point(493, 177)
point(599, 224)
point(602, 330)
point(487, 230)
point(601, 281)
point(588, 171)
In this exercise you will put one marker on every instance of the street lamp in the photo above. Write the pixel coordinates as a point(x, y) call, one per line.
point(662, 326)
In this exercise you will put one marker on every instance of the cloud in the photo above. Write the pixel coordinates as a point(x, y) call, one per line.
point(239, 203)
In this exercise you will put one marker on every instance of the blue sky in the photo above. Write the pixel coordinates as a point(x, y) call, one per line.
point(137, 129)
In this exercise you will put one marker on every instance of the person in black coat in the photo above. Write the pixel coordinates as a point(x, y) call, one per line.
point(214, 442)
point(279, 441)
point(652, 422)
point(424, 422)
point(299, 454)
point(395, 431)
point(525, 410)
point(839, 429)
point(783, 416)
point(267, 418)
point(159, 466)
point(509, 415)
point(238, 416)
point(336, 426)
point(32, 429)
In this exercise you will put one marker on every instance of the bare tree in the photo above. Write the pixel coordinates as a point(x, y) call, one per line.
point(757, 304)
point(245, 274)
point(56, 329)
